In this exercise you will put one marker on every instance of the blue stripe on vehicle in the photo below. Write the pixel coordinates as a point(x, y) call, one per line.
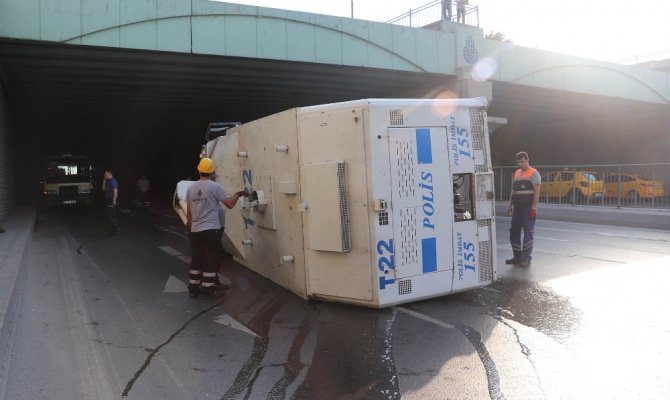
point(429, 254)
point(423, 146)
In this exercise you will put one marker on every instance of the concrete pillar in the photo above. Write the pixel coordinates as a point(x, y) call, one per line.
point(468, 87)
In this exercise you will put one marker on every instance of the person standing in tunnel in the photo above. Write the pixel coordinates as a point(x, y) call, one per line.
point(142, 188)
point(111, 189)
point(204, 225)
point(523, 210)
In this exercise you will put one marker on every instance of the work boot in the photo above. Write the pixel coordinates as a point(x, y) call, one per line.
point(513, 261)
point(194, 290)
point(524, 263)
point(212, 292)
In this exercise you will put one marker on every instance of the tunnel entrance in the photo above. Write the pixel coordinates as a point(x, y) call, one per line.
point(145, 112)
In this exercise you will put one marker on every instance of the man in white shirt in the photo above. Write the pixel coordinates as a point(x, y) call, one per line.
point(204, 225)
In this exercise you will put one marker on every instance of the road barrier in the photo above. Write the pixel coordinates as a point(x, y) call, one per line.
point(619, 185)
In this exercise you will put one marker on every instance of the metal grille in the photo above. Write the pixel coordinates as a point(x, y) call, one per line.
point(483, 223)
point(344, 208)
point(408, 252)
point(485, 267)
point(481, 168)
point(477, 128)
point(396, 117)
point(404, 287)
point(405, 180)
point(383, 218)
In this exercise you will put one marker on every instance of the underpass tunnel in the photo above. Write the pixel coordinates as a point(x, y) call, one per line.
point(563, 128)
point(141, 112)
point(146, 112)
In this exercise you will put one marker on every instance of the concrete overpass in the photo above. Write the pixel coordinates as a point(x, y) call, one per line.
point(133, 81)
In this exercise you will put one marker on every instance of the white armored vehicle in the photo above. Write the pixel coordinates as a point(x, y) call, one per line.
point(372, 202)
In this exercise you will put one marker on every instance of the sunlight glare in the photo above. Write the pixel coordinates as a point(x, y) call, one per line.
point(484, 69)
point(444, 110)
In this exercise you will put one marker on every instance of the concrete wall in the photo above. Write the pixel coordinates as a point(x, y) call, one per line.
point(6, 158)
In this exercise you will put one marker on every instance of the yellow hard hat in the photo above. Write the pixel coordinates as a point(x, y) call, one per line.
point(206, 166)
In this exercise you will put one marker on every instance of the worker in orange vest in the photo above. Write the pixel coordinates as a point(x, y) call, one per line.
point(523, 210)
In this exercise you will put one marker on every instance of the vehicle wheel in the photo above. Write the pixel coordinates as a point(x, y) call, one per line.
point(575, 196)
point(633, 196)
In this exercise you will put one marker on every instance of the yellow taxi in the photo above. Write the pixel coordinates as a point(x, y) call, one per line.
point(559, 184)
point(632, 187)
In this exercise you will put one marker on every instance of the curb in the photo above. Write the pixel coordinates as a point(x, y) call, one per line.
point(628, 217)
point(14, 245)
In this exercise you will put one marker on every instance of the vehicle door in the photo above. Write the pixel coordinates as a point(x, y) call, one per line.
point(422, 200)
point(611, 183)
point(547, 185)
point(564, 184)
point(630, 184)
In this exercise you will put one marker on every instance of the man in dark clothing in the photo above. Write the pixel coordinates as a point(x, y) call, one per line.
point(460, 10)
point(523, 210)
point(446, 10)
point(204, 224)
point(111, 189)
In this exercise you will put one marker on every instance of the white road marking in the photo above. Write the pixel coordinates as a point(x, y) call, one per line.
point(229, 321)
point(546, 238)
point(174, 285)
point(185, 259)
point(170, 251)
point(425, 318)
point(561, 230)
point(176, 253)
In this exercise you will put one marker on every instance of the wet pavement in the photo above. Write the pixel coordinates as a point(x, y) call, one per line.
point(109, 317)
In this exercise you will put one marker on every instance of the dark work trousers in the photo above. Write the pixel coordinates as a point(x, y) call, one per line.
point(205, 257)
point(522, 220)
point(112, 216)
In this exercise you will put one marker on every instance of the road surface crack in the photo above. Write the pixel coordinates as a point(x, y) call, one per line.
point(151, 355)
point(525, 350)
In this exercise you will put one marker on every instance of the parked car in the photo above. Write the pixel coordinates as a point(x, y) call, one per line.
point(632, 187)
point(559, 184)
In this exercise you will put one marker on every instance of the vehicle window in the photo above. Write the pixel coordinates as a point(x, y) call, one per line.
point(67, 171)
point(627, 179)
point(565, 176)
point(549, 177)
point(611, 178)
point(589, 177)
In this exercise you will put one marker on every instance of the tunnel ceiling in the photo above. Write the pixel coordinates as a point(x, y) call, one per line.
point(52, 76)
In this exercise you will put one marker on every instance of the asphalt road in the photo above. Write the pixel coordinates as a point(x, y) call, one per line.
point(109, 317)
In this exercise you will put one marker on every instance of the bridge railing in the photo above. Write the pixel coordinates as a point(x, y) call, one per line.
point(615, 185)
point(432, 12)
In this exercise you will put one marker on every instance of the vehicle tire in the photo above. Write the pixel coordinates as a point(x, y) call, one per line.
point(633, 196)
point(577, 196)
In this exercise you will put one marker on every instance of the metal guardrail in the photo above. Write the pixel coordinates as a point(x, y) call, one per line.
point(432, 12)
point(615, 185)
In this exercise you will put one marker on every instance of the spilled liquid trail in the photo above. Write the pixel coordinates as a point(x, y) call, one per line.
point(475, 339)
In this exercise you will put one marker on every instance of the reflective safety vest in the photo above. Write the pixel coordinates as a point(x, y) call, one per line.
point(522, 187)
